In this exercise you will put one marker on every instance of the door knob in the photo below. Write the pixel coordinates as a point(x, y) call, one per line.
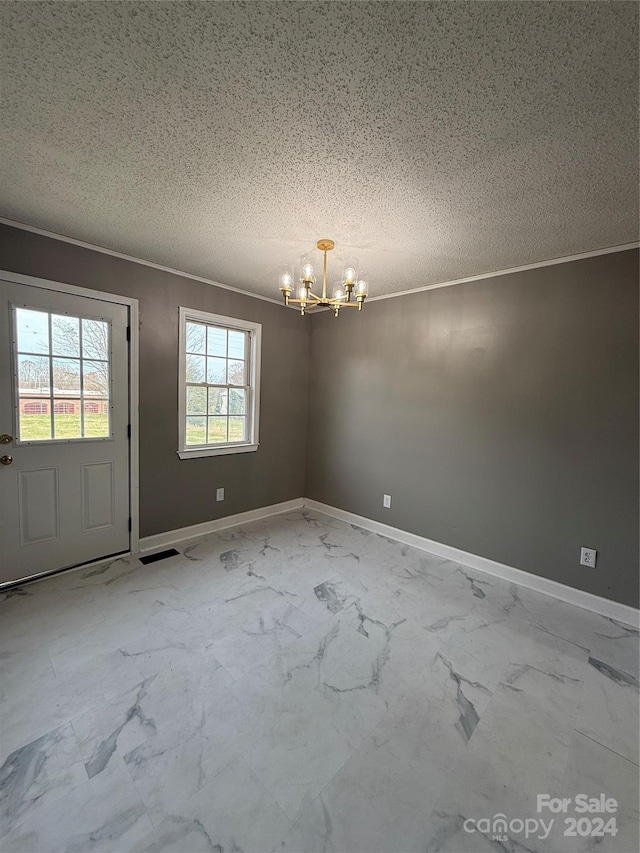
point(6, 439)
point(6, 460)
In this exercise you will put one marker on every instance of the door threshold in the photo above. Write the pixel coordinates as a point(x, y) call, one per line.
point(44, 575)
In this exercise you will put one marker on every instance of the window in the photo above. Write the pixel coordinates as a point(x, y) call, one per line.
point(219, 393)
point(35, 407)
point(62, 367)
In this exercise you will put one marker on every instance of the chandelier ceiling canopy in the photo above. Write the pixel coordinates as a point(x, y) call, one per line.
point(349, 291)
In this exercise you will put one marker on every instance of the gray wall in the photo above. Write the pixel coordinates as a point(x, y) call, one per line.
point(501, 415)
point(173, 492)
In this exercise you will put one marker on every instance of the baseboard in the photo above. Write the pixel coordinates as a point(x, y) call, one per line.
point(171, 537)
point(579, 598)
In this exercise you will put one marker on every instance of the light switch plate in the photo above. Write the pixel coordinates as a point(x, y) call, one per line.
point(386, 501)
point(219, 494)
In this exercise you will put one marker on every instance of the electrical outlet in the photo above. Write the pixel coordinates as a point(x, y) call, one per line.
point(588, 557)
point(386, 501)
point(219, 494)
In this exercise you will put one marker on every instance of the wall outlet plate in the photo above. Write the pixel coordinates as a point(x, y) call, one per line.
point(219, 494)
point(588, 557)
point(386, 501)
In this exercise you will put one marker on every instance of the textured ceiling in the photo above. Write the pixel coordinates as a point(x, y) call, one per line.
point(430, 140)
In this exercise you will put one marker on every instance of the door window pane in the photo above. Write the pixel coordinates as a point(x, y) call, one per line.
point(67, 418)
point(95, 376)
point(65, 335)
point(95, 339)
point(96, 418)
point(35, 418)
point(33, 374)
point(33, 330)
point(66, 377)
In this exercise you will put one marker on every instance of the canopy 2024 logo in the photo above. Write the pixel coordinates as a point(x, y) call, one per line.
point(500, 828)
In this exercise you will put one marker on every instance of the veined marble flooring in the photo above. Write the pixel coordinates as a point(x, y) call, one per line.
point(301, 684)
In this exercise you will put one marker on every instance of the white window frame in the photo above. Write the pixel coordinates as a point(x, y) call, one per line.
point(253, 393)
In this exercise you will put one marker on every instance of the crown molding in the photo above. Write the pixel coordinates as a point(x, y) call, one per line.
point(624, 247)
point(52, 235)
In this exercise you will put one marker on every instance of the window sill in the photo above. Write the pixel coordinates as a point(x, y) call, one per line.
point(197, 452)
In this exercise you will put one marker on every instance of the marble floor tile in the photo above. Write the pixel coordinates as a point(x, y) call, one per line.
point(606, 639)
point(232, 812)
point(18, 668)
point(172, 766)
point(341, 818)
point(162, 705)
point(382, 798)
point(303, 684)
point(112, 728)
point(292, 747)
point(610, 709)
point(130, 616)
point(24, 716)
point(334, 673)
point(593, 770)
point(37, 774)
point(45, 614)
point(104, 814)
point(278, 625)
point(519, 749)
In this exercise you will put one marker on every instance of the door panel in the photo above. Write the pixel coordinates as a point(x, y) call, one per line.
point(98, 508)
point(64, 399)
point(39, 505)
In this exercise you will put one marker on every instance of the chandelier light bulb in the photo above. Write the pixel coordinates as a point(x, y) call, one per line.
point(338, 292)
point(303, 293)
point(307, 268)
point(362, 285)
point(350, 274)
point(286, 281)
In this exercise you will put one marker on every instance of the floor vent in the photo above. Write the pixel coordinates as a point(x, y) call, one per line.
point(161, 555)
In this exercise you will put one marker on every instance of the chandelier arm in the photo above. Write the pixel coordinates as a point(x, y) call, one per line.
point(311, 299)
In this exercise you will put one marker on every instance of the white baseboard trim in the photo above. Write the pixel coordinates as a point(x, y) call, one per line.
point(579, 598)
point(172, 537)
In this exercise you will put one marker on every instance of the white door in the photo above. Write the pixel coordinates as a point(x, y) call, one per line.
point(64, 430)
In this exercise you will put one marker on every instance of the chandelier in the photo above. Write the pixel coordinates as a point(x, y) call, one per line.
point(353, 283)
